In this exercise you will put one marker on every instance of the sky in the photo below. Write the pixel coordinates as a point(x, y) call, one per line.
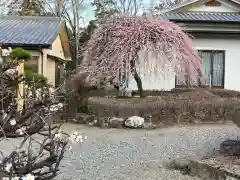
point(87, 12)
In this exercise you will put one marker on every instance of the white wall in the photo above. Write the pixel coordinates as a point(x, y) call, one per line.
point(151, 78)
point(152, 82)
point(232, 58)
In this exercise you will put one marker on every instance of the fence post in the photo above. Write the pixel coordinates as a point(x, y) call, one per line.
point(2, 81)
point(210, 83)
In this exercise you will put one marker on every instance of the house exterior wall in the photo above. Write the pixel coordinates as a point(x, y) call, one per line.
point(38, 54)
point(49, 62)
point(229, 45)
point(46, 64)
point(232, 61)
point(232, 64)
point(51, 70)
point(203, 8)
point(57, 49)
point(152, 80)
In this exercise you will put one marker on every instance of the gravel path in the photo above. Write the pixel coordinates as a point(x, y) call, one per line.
point(119, 154)
point(139, 154)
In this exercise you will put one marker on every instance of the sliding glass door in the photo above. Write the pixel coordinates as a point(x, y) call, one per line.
point(214, 68)
point(206, 56)
point(218, 69)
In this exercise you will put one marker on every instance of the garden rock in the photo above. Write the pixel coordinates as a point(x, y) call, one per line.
point(83, 118)
point(116, 122)
point(149, 126)
point(93, 123)
point(180, 164)
point(230, 147)
point(103, 122)
point(134, 122)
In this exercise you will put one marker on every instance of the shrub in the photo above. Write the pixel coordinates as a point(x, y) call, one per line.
point(35, 79)
point(20, 54)
point(186, 107)
point(225, 93)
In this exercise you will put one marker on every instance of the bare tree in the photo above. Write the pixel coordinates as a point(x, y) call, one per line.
point(71, 11)
point(107, 8)
point(165, 4)
point(26, 8)
point(128, 6)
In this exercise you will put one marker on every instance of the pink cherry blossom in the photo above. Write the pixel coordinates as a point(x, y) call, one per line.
point(114, 48)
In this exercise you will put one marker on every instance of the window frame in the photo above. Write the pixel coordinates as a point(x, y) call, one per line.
point(59, 70)
point(33, 62)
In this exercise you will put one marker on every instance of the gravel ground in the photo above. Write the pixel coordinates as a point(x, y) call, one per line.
point(119, 154)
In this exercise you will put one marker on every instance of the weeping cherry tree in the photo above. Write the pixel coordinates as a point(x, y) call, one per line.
point(113, 52)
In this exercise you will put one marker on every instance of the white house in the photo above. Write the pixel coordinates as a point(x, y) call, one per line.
point(215, 25)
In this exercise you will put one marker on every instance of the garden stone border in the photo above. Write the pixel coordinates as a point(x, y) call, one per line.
point(107, 122)
point(208, 169)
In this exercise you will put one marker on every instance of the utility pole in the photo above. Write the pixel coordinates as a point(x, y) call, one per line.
point(135, 7)
point(76, 2)
point(2, 81)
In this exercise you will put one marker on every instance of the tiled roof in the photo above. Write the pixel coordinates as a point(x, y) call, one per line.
point(203, 17)
point(15, 30)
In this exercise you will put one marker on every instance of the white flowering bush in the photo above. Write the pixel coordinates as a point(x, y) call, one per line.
point(41, 143)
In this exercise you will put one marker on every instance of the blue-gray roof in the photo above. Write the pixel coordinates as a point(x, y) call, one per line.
point(29, 31)
point(203, 17)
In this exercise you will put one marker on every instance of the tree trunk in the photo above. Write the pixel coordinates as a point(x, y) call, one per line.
point(139, 83)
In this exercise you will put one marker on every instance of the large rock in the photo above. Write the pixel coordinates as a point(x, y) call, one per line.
point(134, 122)
point(230, 147)
point(182, 165)
point(116, 122)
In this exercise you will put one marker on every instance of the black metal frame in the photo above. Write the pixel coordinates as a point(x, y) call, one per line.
point(223, 77)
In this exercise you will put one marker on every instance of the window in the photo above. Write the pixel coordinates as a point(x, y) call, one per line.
point(33, 64)
point(214, 62)
point(214, 68)
point(59, 70)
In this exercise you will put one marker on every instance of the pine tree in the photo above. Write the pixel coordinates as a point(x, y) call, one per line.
point(27, 8)
point(103, 9)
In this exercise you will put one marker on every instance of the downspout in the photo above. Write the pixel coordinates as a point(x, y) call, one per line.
point(41, 60)
point(40, 49)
